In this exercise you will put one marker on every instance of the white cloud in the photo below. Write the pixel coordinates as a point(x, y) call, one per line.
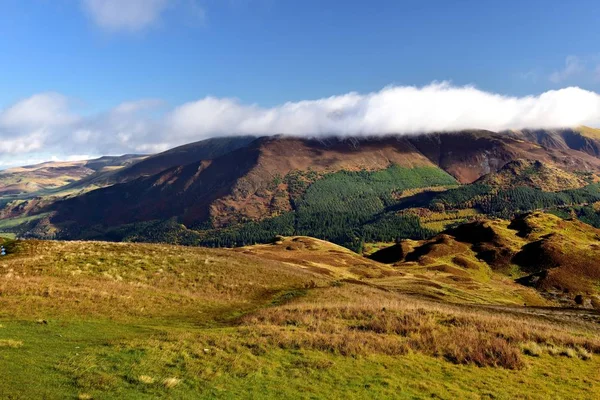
point(138, 15)
point(45, 109)
point(128, 15)
point(573, 67)
point(45, 124)
point(532, 75)
point(403, 110)
point(26, 143)
point(129, 107)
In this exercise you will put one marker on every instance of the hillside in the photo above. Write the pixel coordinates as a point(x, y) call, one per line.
point(104, 172)
point(240, 190)
point(555, 256)
point(536, 174)
point(583, 139)
point(469, 155)
point(208, 149)
point(268, 178)
point(121, 320)
point(36, 179)
point(39, 177)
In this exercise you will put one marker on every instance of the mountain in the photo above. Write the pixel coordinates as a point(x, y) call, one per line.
point(51, 182)
point(208, 149)
point(468, 155)
point(584, 139)
point(242, 190)
point(536, 174)
point(53, 175)
point(258, 181)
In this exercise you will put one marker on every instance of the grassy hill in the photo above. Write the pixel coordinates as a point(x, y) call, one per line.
point(555, 256)
point(300, 318)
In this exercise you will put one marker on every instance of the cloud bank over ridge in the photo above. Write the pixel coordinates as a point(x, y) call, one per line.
point(46, 123)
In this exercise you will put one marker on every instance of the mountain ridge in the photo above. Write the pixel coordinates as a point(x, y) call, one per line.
point(358, 184)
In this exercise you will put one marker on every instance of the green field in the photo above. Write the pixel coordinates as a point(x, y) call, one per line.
point(15, 222)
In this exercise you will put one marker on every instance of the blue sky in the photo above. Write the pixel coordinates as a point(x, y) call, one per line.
point(84, 58)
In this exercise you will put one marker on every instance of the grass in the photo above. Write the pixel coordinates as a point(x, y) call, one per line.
point(439, 221)
point(141, 283)
point(589, 132)
point(15, 222)
point(301, 319)
point(477, 262)
point(112, 367)
point(370, 248)
point(10, 343)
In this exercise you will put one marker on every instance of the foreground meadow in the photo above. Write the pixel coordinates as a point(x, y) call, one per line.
point(297, 319)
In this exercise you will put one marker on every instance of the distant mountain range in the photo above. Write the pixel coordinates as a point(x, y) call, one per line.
point(240, 190)
point(35, 179)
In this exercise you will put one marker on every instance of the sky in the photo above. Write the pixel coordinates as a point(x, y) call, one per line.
point(83, 78)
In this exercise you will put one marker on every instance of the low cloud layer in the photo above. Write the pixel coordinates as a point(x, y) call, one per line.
point(47, 124)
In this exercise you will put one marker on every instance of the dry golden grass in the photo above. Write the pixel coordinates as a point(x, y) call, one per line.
point(567, 250)
point(319, 256)
point(532, 349)
point(13, 344)
point(411, 192)
point(439, 221)
point(338, 320)
point(589, 132)
point(145, 379)
point(478, 262)
point(170, 383)
point(132, 281)
point(370, 248)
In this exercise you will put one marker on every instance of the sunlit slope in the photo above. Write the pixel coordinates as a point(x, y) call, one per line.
point(297, 318)
point(555, 256)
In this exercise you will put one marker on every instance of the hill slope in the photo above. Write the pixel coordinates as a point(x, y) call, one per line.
point(536, 174)
point(239, 191)
point(36, 179)
point(121, 320)
point(208, 149)
point(469, 155)
point(555, 256)
point(583, 139)
point(261, 180)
